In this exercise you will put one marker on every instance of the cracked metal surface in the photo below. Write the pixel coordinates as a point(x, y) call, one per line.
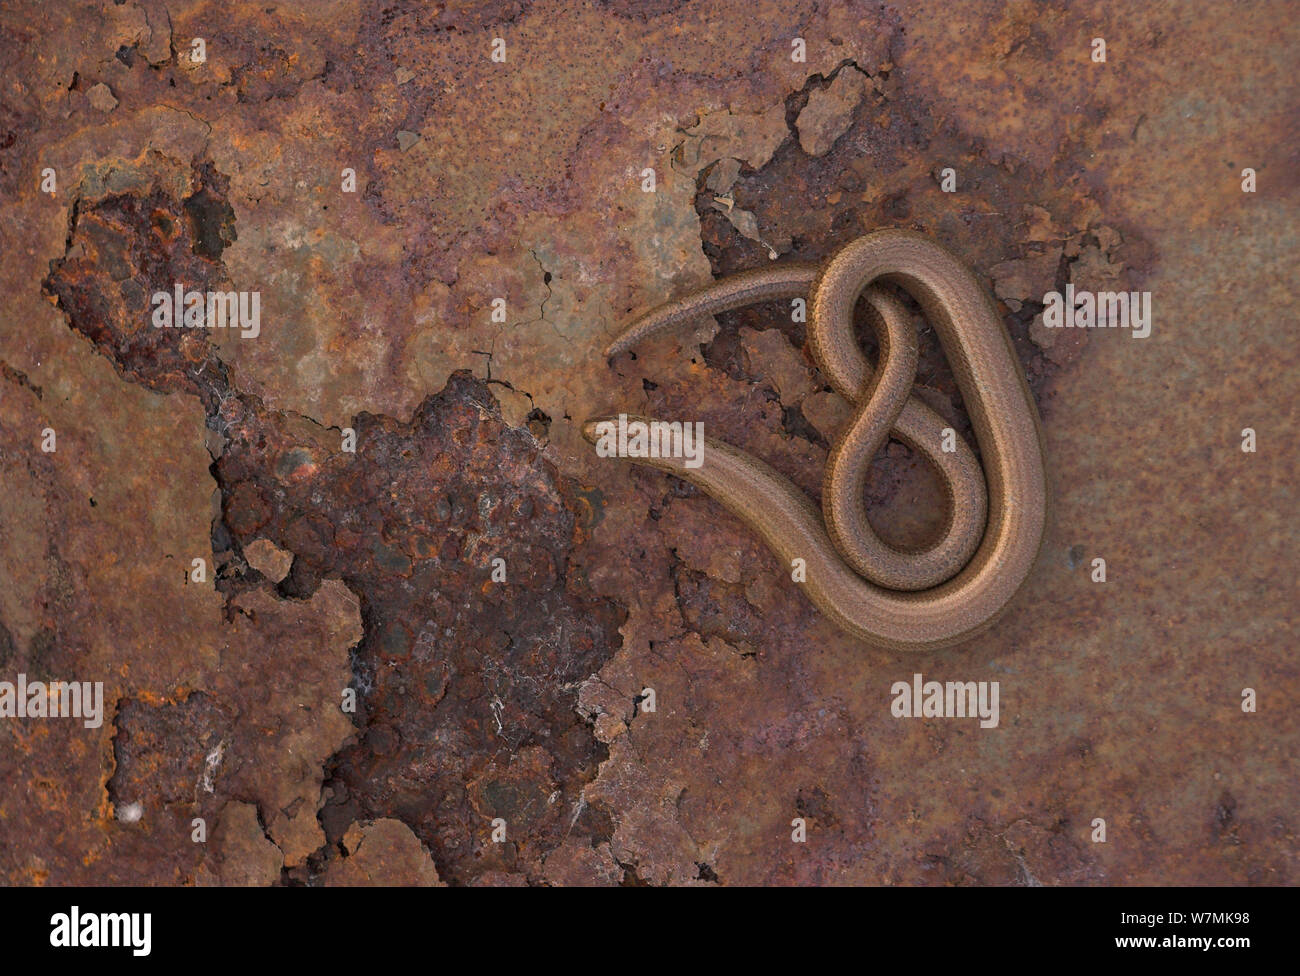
point(526, 700)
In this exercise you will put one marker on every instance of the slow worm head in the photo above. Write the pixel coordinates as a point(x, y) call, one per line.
point(905, 601)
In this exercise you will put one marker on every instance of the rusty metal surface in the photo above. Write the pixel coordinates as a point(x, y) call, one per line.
point(523, 702)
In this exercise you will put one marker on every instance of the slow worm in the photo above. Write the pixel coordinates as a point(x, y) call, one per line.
point(900, 600)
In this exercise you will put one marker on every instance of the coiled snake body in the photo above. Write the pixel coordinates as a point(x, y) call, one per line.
point(957, 587)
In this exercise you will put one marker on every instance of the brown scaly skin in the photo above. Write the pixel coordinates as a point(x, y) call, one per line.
point(909, 601)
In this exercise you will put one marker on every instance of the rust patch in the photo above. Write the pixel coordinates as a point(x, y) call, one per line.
point(1120, 701)
point(477, 671)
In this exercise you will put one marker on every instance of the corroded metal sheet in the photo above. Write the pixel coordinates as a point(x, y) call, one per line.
point(364, 607)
